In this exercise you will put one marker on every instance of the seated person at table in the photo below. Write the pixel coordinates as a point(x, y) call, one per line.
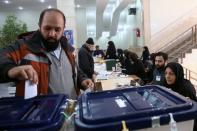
point(133, 65)
point(111, 51)
point(121, 56)
point(98, 52)
point(145, 55)
point(159, 71)
point(174, 79)
point(150, 67)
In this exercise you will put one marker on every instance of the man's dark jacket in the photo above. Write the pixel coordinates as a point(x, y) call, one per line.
point(86, 62)
point(29, 51)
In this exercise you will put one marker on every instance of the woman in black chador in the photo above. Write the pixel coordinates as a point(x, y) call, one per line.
point(111, 51)
point(174, 79)
point(145, 55)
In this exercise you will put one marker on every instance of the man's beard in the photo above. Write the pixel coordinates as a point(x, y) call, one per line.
point(160, 67)
point(50, 44)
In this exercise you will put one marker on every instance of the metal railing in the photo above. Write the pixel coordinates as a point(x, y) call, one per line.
point(175, 40)
point(190, 75)
point(192, 31)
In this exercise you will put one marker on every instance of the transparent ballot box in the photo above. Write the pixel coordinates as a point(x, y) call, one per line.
point(144, 108)
point(41, 113)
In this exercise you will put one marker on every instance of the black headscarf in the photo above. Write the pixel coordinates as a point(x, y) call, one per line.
point(181, 85)
point(111, 51)
point(178, 72)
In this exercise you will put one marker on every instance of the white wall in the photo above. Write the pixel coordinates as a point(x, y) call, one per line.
point(81, 26)
point(162, 13)
point(29, 17)
point(68, 8)
point(139, 23)
point(125, 37)
point(165, 12)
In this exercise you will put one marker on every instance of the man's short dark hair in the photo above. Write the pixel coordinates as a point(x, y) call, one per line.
point(50, 10)
point(164, 55)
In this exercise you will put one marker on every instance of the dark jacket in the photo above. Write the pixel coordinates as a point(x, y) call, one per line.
point(86, 62)
point(186, 89)
point(111, 51)
point(111, 54)
point(158, 76)
point(98, 52)
point(134, 68)
point(31, 52)
point(121, 57)
point(145, 55)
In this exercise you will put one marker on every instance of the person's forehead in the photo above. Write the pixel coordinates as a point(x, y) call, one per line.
point(159, 58)
point(53, 16)
point(168, 69)
point(55, 13)
point(90, 45)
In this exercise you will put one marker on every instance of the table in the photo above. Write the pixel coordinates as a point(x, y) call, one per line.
point(111, 79)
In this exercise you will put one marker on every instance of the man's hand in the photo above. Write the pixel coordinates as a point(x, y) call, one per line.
point(25, 72)
point(94, 77)
point(87, 84)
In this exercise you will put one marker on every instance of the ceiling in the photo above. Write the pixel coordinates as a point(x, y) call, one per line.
point(102, 16)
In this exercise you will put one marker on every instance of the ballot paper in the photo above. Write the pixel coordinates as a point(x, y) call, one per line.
point(30, 89)
point(103, 75)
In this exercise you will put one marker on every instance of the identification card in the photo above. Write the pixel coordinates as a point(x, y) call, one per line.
point(158, 78)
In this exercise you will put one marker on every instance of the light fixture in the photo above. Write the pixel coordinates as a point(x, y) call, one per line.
point(49, 7)
point(6, 1)
point(20, 8)
point(92, 34)
point(42, 1)
point(78, 6)
point(105, 34)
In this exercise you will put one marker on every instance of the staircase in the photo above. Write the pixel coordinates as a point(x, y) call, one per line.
point(181, 26)
point(181, 45)
point(179, 40)
point(180, 51)
point(183, 49)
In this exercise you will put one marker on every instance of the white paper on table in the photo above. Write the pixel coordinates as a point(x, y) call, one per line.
point(101, 77)
point(30, 89)
point(104, 72)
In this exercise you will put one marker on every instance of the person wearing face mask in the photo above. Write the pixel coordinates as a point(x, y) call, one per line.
point(85, 58)
point(44, 58)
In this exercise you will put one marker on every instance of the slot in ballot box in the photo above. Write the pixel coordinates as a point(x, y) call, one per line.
point(41, 113)
point(141, 108)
